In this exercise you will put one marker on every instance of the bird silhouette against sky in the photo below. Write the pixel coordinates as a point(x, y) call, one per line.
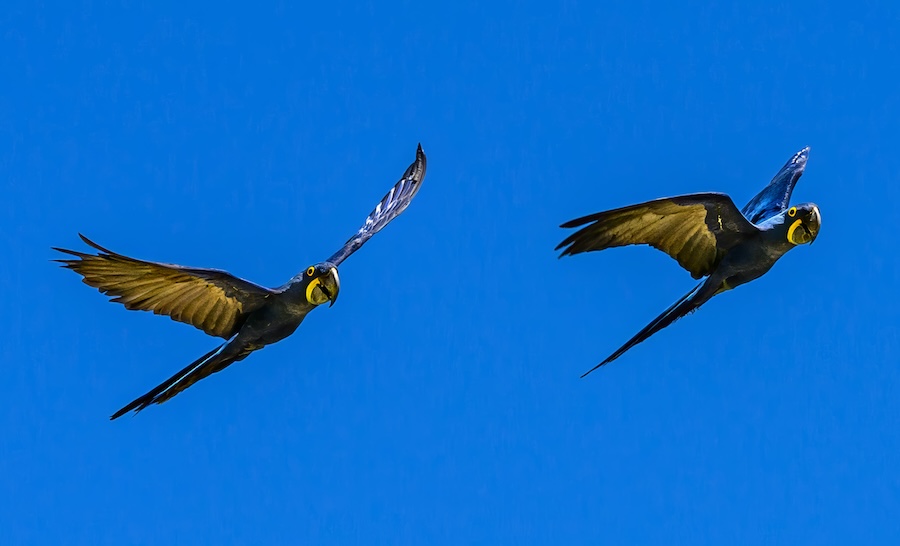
point(246, 315)
point(707, 235)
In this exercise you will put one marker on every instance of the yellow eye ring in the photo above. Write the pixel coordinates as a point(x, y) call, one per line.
point(310, 271)
point(792, 212)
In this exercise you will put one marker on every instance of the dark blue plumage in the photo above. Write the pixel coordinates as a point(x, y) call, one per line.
point(708, 236)
point(246, 315)
point(775, 197)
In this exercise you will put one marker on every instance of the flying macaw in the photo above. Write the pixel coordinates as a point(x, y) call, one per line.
point(246, 315)
point(707, 235)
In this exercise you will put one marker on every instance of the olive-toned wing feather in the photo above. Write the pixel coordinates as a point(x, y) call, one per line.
point(389, 208)
point(209, 299)
point(694, 229)
point(774, 198)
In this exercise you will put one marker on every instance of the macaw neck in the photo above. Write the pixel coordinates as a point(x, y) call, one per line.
point(774, 231)
point(297, 282)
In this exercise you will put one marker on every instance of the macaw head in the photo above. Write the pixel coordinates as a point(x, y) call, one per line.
point(803, 223)
point(322, 283)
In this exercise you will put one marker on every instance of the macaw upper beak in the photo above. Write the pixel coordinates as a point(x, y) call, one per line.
point(331, 285)
point(815, 222)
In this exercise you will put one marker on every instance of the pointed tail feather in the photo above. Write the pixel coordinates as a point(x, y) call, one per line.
point(211, 362)
point(688, 303)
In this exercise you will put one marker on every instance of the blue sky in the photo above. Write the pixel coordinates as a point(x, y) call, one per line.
point(439, 401)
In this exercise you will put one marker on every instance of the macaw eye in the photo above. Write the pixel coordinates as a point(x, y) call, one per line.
point(310, 271)
point(792, 212)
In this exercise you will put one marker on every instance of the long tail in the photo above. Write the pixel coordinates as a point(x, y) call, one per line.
point(688, 303)
point(211, 362)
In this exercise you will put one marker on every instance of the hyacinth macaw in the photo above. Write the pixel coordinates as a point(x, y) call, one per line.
point(246, 315)
point(707, 235)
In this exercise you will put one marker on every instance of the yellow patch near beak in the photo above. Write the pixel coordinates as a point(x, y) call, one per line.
point(791, 230)
point(313, 296)
point(803, 236)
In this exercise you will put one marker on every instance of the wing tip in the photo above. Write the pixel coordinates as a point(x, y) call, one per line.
point(580, 221)
point(65, 251)
point(82, 254)
point(801, 157)
point(419, 165)
point(570, 245)
point(96, 246)
point(69, 263)
point(566, 246)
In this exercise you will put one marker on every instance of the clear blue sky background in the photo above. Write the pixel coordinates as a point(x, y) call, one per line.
point(439, 402)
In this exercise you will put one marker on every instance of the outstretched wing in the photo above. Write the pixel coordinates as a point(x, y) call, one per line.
point(694, 229)
point(774, 198)
point(389, 208)
point(209, 299)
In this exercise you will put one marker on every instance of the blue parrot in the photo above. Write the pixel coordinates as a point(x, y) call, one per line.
point(707, 235)
point(246, 315)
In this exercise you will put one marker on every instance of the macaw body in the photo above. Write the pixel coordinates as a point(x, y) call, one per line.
point(246, 315)
point(708, 236)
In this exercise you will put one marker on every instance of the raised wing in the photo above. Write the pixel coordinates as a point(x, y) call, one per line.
point(389, 208)
point(774, 198)
point(209, 299)
point(694, 229)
